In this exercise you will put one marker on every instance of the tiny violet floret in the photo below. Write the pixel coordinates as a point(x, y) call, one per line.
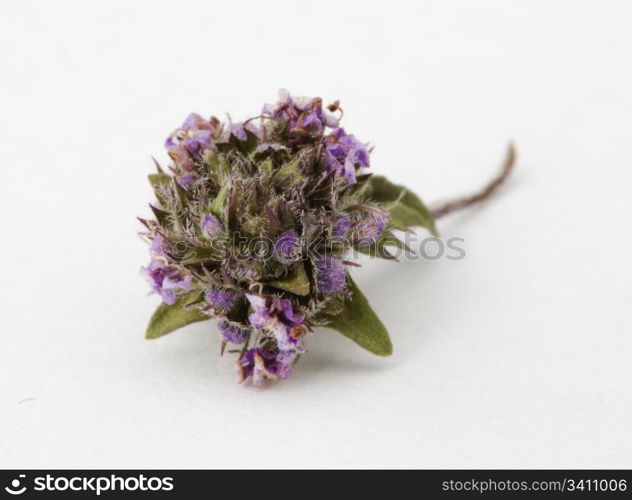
point(166, 280)
point(287, 245)
point(343, 153)
point(277, 316)
point(260, 365)
point(221, 298)
point(189, 141)
point(241, 131)
point(211, 226)
point(330, 274)
point(369, 226)
point(187, 180)
point(235, 334)
point(304, 116)
point(341, 227)
point(157, 247)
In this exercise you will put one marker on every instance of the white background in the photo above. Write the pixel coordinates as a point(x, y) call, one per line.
point(520, 355)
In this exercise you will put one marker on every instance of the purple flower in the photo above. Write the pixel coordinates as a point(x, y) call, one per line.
point(221, 298)
point(261, 317)
point(343, 152)
point(232, 333)
point(278, 316)
point(284, 362)
point(190, 139)
point(240, 131)
point(280, 110)
point(369, 227)
point(157, 246)
point(305, 115)
point(211, 226)
point(260, 365)
point(330, 274)
point(187, 180)
point(166, 279)
point(341, 227)
point(287, 245)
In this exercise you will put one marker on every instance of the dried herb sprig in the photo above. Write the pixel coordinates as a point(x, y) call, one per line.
point(254, 223)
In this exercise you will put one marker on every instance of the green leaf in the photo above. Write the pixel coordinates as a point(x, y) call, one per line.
point(158, 182)
point(295, 282)
point(288, 173)
point(167, 318)
point(217, 164)
point(217, 207)
point(378, 249)
point(358, 322)
point(267, 166)
point(404, 206)
point(161, 216)
point(198, 255)
point(159, 179)
point(157, 165)
point(181, 194)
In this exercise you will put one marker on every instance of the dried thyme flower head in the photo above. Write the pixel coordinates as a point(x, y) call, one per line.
point(253, 225)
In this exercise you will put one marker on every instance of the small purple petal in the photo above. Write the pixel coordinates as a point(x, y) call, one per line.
point(341, 226)
point(260, 365)
point(221, 298)
point(331, 121)
point(187, 180)
point(168, 297)
point(170, 143)
point(330, 274)
point(261, 317)
point(245, 364)
point(343, 153)
point(306, 117)
point(211, 226)
point(287, 245)
point(285, 360)
point(175, 279)
point(278, 316)
point(370, 226)
point(233, 333)
point(157, 246)
point(312, 123)
point(194, 120)
point(250, 364)
point(283, 307)
point(238, 130)
point(165, 279)
point(190, 139)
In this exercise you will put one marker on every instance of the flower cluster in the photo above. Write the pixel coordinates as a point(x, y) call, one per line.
point(253, 225)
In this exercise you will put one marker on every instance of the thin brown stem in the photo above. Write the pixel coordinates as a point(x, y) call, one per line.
point(485, 193)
